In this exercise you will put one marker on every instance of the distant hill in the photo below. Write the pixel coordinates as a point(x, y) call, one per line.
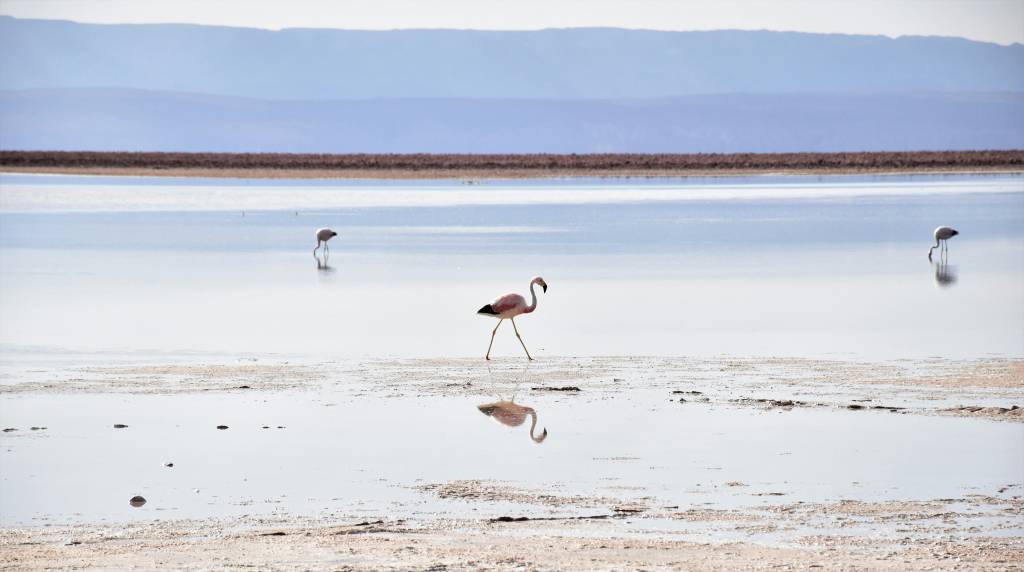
point(71, 86)
point(117, 119)
point(599, 63)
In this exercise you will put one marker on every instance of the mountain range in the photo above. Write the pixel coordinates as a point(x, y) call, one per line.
point(176, 87)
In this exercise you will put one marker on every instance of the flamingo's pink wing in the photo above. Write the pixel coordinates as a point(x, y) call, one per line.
point(507, 302)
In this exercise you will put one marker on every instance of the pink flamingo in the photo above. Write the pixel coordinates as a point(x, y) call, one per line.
point(508, 307)
point(322, 236)
point(512, 415)
point(942, 235)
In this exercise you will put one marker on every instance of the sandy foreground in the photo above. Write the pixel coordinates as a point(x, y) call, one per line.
point(556, 530)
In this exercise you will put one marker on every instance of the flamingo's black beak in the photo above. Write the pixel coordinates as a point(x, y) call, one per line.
point(544, 287)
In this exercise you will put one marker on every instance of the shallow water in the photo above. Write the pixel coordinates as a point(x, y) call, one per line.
point(802, 266)
point(339, 455)
point(152, 271)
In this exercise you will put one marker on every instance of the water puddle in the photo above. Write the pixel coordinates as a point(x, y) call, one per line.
point(324, 452)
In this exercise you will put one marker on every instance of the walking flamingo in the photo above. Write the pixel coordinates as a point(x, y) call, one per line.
point(322, 236)
point(942, 234)
point(512, 415)
point(508, 307)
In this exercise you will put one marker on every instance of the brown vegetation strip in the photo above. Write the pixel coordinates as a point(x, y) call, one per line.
point(603, 164)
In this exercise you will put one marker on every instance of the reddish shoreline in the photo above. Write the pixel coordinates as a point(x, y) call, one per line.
point(416, 166)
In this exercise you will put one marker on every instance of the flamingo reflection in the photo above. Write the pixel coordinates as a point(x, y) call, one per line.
point(321, 264)
point(513, 415)
point(945, 275)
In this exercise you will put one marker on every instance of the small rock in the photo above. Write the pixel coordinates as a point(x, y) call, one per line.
point(119, 426)
point(222, 427)
point(9, 429)
point(137, 501)
point(196, 491)
point(168, 464)
point(37, 428)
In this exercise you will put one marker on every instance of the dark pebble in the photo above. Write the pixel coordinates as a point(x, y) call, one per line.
point(137, 501)
point(222, 427)
point(119, 426)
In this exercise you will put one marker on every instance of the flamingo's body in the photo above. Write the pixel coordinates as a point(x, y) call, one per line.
point(512, 415)
point(322, 236)
point(509, 306)
point(942, 234)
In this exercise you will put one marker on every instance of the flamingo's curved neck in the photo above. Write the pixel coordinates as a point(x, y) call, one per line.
point(533, 301)
point(533, 425)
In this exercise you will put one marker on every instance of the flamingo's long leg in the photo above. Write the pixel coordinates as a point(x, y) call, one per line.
point(495, 331)
point(317, 247)
point(521, 339)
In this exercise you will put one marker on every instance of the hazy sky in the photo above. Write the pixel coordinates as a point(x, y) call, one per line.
point(999, 21)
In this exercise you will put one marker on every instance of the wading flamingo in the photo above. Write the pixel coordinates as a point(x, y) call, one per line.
point(513, 415)
point(322, 236)
point(508, 307)
point(942, 234)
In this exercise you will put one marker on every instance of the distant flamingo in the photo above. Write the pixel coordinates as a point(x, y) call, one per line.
point(322, 236)
point(512, 415)
point(508, 307)
point(942, 234)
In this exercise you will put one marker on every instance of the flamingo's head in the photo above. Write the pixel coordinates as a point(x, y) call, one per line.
point(540, 438)
point(540, 281)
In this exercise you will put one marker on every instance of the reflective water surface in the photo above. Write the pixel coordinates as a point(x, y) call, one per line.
point(95, 269)
point(770, 266)
point(323, 452)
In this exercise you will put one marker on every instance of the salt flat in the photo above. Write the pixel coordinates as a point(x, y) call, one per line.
point(733, 375)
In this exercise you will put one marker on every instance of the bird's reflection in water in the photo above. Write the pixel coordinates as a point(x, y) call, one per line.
point(512, 415)
point(945, 275)
point(321, 263)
